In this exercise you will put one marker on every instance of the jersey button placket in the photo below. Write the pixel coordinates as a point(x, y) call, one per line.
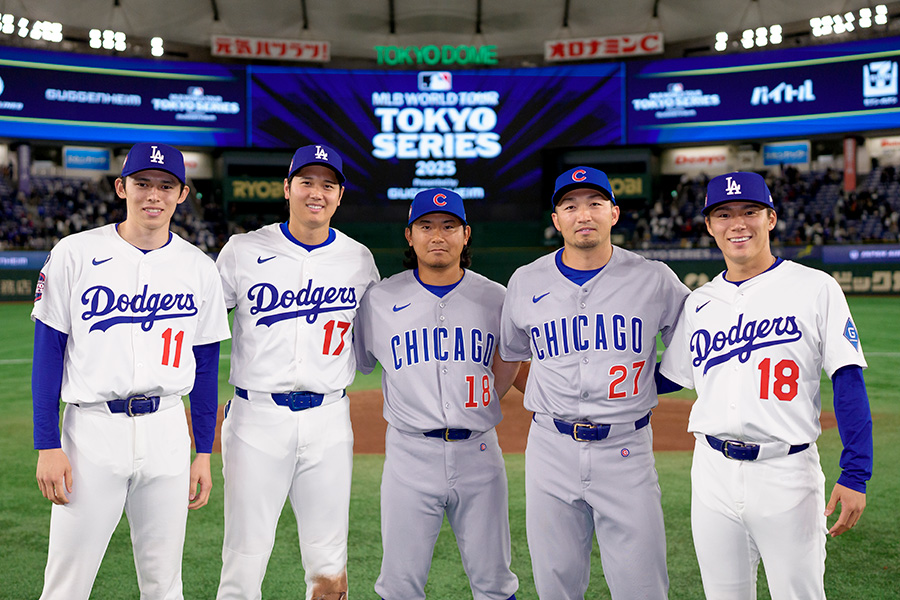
point(444, 385)
point(302, 330)
point(140, 346)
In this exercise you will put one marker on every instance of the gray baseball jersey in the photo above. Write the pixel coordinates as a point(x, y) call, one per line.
point(592, 347)
point(593, 351)
point(436, 352)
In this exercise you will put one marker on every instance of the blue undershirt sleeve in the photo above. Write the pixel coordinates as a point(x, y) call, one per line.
point(205, 396)
point(854, 420)
point(664, 385)
point(46, 382)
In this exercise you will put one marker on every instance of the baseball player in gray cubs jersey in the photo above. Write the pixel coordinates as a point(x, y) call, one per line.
point(434, 328)
point(754, 342)
point(128, 318)
point(587, 316)
point(295, 288)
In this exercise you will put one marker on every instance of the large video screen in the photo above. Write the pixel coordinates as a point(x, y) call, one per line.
point(478, 132)
point(772, 94)
point(57, 96)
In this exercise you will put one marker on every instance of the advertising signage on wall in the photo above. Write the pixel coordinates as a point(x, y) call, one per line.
point(50, 95)
point(480, 132)
point(773, 94)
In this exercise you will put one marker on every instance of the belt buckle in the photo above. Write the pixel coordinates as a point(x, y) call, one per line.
point(447, 435)
point(298, 401)
point(136, 398)
point(575, 426)
point(726, 444)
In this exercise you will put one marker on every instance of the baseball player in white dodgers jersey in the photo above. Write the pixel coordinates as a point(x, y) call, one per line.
point(295, 288)
point(587, 316)
point(434, 328)
point(753, 342)
point(128, 319)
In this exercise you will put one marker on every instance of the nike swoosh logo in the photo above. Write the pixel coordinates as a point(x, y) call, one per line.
point(702, 305)
point(399, 308)
point(96, 262)
point(537, 299)
point(261, 260)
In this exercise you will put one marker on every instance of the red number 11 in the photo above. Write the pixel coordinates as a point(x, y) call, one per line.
point(167, 343)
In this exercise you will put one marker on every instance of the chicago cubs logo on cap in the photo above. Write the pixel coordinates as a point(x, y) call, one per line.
point(161, 157)
point(737, 186)
point(317, 154)
point(582, 177)
point(437, 200)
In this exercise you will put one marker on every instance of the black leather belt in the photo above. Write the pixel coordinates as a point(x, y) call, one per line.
point(737, 450)
point(449, 435)
point(584, 431)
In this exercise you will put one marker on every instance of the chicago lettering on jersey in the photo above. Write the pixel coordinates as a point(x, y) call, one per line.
point(582, 333)
point(742, 339)
point(144, 308)
point(423, 345)
point(311, 301)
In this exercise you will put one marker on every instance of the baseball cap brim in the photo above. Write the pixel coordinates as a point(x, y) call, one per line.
point(574, 186)
point(337, 173)
point(708, 209)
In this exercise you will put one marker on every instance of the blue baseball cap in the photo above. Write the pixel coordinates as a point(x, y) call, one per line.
point(162, 157)
point(582, 177)
point(317, 155)
point(749, 187)
point(437, 200)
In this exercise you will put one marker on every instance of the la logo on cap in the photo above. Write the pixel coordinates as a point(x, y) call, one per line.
point(732, 187)
point(579, 175)
point(439, 200)
point(321, 154)
point(156, 156)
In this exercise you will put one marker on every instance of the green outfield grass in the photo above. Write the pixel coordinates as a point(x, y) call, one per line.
point(864, 563)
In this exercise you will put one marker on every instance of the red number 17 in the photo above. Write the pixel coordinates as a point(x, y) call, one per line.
point(329, 332)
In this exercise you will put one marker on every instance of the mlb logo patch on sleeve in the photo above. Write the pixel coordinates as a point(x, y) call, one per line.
point(851, 334)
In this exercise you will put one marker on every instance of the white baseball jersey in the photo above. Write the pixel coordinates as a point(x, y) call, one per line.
point(294, 310)
point(436, 352)
point(755, 353)
point(592, 346)
point(132, 317)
